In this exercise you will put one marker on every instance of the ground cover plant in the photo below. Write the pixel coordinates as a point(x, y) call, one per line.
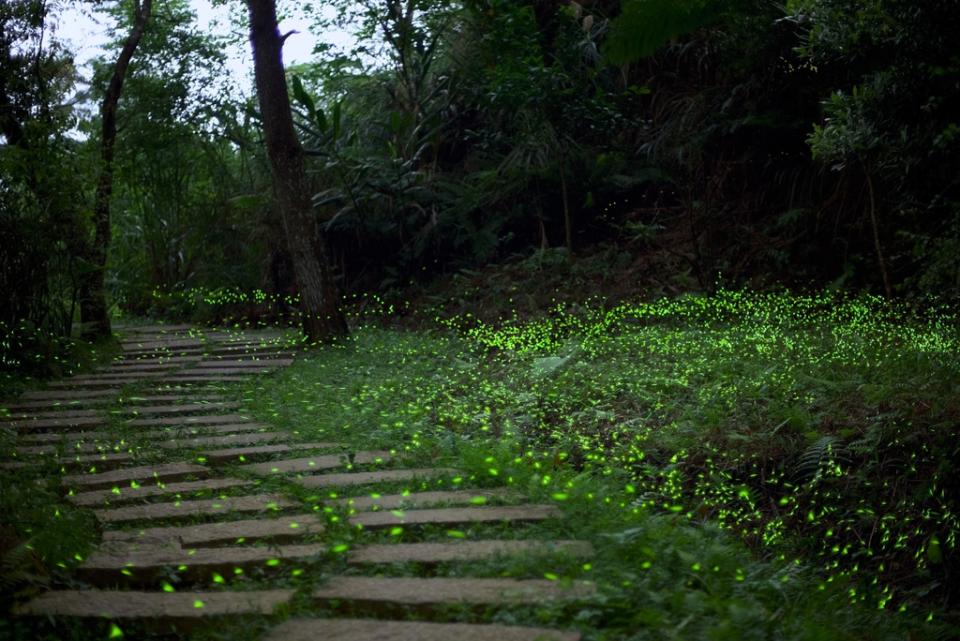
point(819, 430)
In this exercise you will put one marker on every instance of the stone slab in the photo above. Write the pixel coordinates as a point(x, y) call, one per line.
point(205, 372)
point(69, 439)
point(67, 395)
point(96, 383)
point(188, 408)
point(153, 605)
point(201, 380)
point(186, 431)
point(67, 412)
point(131, 367)
point(147, 474)
point(158, 328)
point(242, 364)
point(249, 438)
point(455, 516)
point(125, 494)
point(156, 343)
point(48, 424)
point(241, 453)
point(147, 560)
point(315, 463)
point(172, 399)
point(65, 405)
point(374, 630)
point(68, 448)
point(423, 499)
point(200, 507)
point(160, 352)
point(464, 551)
point(362, 591)
point(247, 355)
point(369, 478)
point(153, 329)
point(282, 528)
point(95, 462)
point(210, 419)
point(131, 361)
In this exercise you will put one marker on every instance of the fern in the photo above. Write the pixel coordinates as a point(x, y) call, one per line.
point(823, 452)
point(20, 571)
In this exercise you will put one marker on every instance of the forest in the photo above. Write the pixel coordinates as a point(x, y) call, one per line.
point(682, 274)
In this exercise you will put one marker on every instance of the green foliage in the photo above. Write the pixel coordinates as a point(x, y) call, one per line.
point(643, 421)
point(644, 26)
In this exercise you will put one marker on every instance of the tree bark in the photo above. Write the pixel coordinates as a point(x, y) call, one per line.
point(322, 320)
point(94, 315)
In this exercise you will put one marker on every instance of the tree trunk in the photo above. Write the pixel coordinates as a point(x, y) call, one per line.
point(94, 314)
point(322, 320)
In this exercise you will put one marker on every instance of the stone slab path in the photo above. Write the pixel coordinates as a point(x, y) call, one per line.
point(184, 483)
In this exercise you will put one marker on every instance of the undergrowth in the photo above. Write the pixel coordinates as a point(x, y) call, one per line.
point(821, 431)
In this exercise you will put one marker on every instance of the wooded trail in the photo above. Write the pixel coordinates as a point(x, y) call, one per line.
point(187, 489)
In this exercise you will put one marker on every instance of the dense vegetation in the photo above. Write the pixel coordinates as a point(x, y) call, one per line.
point(588, 212)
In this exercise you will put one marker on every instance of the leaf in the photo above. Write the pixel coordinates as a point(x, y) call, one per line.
point(301, 95)
point(336, 119)
point(934, 553)
point(646, 25)
point(549, 364)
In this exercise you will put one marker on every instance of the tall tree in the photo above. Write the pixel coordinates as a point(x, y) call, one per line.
point(93, 298)
point(322, 320)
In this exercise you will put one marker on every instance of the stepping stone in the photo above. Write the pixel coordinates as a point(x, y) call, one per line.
point(64, 413)
point(232, 439)
point(124, 367)
point(173, 399)
point(200, 507)
point(127, 361)
point(363, 592)
point(153, 329)
point(374, 630)
point(223, 532)
point(201, 380)
point(17, 465)
point(124, 494)
point(315, 463)
point(64, 396)
point(153, 605)
point(242, 365)
point(94, 383)
point(146, 561)
point(240, 453)
point(464, 551)
point(184, 431)
point(455, 516)
point(47, 424)
point(212, 419)
point(148, 474)
point(103, 461)
point(190, 408)
point(69, 439)
point(108, 379)
point(423, 499)
point(162, 344)
point(66, 406)
point(368, 478)
point(223, 371)
point(244, 356)
point(70, 448)
point(161, 352)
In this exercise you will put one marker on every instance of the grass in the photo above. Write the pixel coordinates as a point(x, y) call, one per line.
point(747, 466)
point(771, 466)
